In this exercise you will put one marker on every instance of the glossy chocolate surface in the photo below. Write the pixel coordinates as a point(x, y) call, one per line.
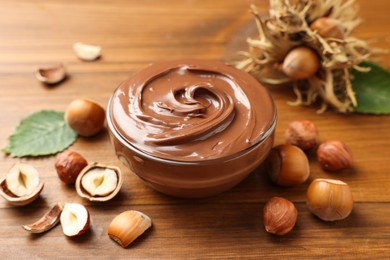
point(190, 110)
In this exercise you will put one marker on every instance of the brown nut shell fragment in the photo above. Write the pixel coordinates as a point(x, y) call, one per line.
point(127, 226)
point(98, 189)
point(51, 75)
point(47, 221)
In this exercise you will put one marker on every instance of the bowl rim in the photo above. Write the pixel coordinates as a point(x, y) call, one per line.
point(127, 144)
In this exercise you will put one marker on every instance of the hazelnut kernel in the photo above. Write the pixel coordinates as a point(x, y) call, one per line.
point(334, 155)
point(302, 133)
point(68, 165)
point(287, 165)
point(280, 216)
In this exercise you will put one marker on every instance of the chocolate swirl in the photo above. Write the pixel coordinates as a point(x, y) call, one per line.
point(190, 110)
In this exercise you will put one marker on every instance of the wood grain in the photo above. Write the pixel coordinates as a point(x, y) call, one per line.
point(228, 226)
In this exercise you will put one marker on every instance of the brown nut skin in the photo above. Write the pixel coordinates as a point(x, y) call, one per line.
point(302, 133)
point(287, 165)
point(328, 199)
point(334, 155)
point(328, 28)
point(301, 63)
point(68, 165)
point(279, 216)
point(85, 117)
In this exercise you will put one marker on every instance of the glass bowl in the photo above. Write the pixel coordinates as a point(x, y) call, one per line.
point(191, 176)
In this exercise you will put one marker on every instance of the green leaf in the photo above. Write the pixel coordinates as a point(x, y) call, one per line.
point(42, 133)
point(372, 89)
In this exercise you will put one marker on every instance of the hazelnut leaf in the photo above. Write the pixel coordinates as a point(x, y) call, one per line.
point(42, 133)
point(372, 89)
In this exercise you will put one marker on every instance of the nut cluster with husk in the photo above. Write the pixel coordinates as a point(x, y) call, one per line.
point(309, 44)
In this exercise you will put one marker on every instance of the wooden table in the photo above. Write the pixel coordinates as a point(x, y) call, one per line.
point(134, 34)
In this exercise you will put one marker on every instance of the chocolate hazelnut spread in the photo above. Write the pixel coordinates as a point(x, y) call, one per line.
point(191, 110)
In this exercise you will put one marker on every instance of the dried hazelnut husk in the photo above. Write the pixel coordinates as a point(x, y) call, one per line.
point(329, 199)
point(280, 216)
point(301, 63)
point(288, 26)
point(85, 117)
point(328, 28)
point(98, 182)
point(68, 165)
point(302, 133)
point(334, 155)
point(287, 165)
point(21, 185)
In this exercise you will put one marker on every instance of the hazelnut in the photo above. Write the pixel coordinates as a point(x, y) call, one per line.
point(329, 200)
point(301, 63)
point(85, 117)
point(98, 182)
point(287, 165)
point(21, 185)
point(75, 219)
point(280, 216)
point(87, 52)
point(328, 28)
point(68, 165)
point(127, 226)
point(334, 155)
point(302, 133)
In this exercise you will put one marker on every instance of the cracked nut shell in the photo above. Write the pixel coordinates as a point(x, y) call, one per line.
point(84, 193)
point(26, 185)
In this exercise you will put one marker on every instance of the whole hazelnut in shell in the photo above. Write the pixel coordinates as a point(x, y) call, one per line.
point(85, 117)
point(287, 165)
point(68, 165)
point(328, 199)
point(301, 63)
point(328, 28)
